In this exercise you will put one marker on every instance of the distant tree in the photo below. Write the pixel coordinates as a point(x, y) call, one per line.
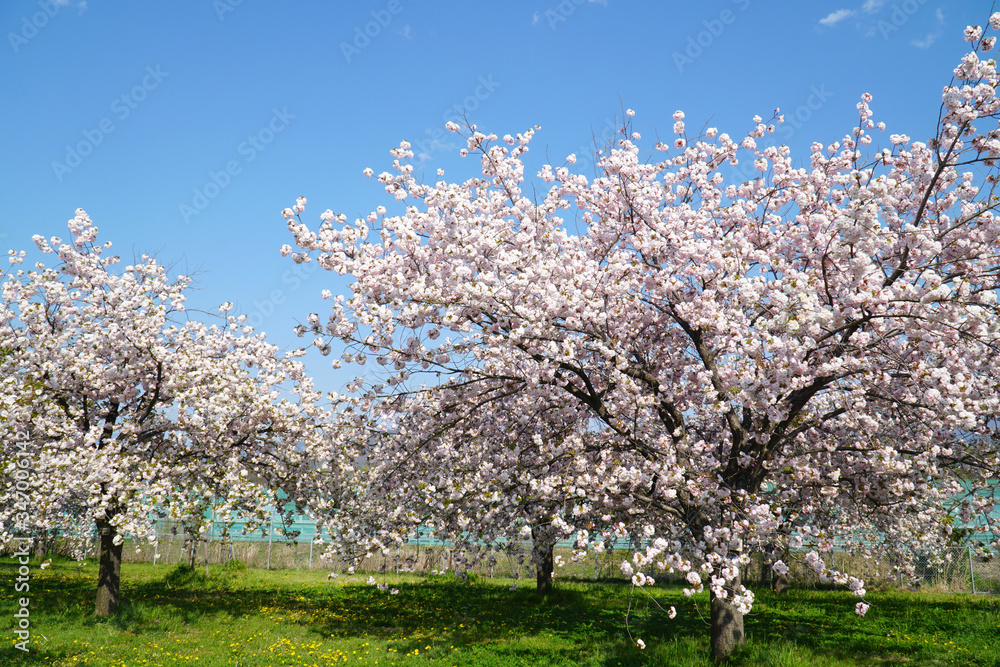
point(496, 474)
point(786, 361)
point(112, 401)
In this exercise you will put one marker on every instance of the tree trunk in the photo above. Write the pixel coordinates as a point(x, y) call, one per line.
point(42, 545)
point(109, 577)
point(727, 624)
point(543, 555)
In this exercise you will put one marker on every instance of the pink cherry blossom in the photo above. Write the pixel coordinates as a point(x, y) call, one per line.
point(670, 351)
point(133, 412)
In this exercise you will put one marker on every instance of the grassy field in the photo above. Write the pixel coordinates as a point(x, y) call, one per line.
point(251, 618)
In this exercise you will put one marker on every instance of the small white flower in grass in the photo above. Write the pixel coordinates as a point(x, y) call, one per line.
point(371, 581)
point(672, 613)
point(861, 609)
point(394, 591)
point(513, 587)
point(383, 587)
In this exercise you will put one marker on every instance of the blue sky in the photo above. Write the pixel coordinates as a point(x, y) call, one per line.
point(183, 128)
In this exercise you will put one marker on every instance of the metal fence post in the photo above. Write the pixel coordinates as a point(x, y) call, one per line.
point(270, 530)
point(972, 571)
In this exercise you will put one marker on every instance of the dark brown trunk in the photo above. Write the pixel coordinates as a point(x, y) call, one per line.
point(780, 583)
point(109, 576)
point(727, 624)
point(544, 557)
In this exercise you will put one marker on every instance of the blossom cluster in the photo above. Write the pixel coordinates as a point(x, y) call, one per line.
point(670, 353)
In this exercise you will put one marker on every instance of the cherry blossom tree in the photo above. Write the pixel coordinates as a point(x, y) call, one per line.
point(494, 476)
point(126, 414)
point(798, 360)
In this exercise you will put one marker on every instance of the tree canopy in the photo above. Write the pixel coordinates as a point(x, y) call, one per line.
point(803, 359)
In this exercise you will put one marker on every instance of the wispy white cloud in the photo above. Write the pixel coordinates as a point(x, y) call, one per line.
point(536, 17)
point(833, 18)
point(931, 37)
point(872, 6)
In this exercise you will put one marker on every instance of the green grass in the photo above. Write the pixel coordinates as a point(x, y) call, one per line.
point(253, 618)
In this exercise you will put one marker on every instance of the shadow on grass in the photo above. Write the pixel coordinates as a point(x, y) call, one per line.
point(579, 623)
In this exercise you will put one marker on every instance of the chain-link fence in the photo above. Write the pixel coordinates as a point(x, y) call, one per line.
point(956, 569)
point(422, 556)
point(959, 569)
